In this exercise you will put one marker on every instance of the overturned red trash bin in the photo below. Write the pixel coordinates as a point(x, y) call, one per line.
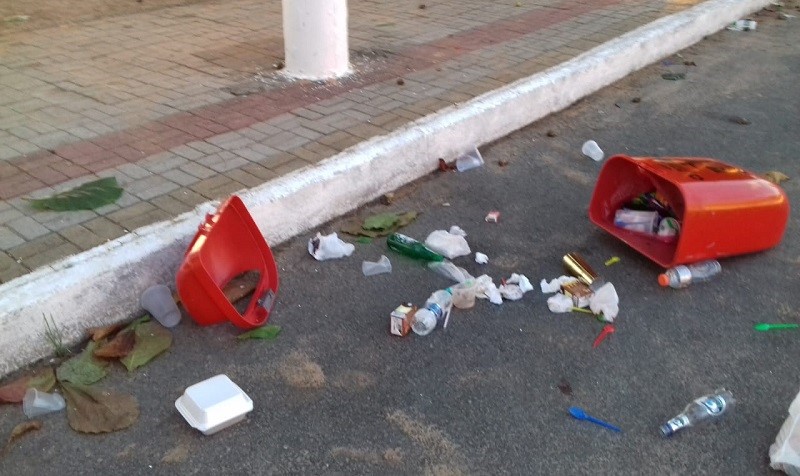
point(722, 209)
point(227, 244)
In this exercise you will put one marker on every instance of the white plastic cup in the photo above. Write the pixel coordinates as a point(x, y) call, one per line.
point(36, 403)
point(158, 301)
point(592, 150)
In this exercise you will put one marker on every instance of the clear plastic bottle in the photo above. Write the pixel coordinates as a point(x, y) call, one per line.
point(684, 275)
point(706, 408)
point(437, 309)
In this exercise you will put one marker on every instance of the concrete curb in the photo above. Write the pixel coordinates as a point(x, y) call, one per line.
point(102, 286)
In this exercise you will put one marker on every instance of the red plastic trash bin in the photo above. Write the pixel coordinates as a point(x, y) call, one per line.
point(227, 244)
point(722, 209)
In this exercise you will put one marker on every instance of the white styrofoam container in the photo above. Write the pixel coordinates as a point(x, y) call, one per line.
point(214, 404)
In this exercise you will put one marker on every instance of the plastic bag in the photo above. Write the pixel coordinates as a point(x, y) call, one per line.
point(329, 247)
point(784, 454)
point(447, 244)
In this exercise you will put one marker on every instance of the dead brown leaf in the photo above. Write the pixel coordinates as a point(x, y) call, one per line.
point(20, 430)
point(100, 333)
point(42, 379)
point(120, 346)
point(776, 177)
point(95, 410)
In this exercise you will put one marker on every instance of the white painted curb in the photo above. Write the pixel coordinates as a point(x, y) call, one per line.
point(102, 286)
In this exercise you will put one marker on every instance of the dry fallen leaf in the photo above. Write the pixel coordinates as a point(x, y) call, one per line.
point(100, 333)
point(95, 410)
point(19, 431)
point(41, 379)
point(120, 346)
point(776, 177)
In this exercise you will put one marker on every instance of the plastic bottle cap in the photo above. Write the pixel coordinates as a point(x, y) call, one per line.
point(663, 279)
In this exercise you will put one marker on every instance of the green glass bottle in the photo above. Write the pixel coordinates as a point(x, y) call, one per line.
point(405, 245)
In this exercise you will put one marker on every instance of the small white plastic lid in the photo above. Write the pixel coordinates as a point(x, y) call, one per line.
point(213, 404)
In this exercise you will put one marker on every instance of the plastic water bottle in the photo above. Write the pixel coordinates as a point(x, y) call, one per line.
point(410, 247)
point(437, 309)
point(683, 275)
point(706, 408)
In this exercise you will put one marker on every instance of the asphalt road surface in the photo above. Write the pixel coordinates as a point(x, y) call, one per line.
point(336, 394)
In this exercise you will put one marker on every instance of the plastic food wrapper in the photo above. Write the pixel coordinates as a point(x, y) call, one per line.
point(329, 247)
point(559, 303)
point(481, 258)
point(447, 244)
point(371, 268)
point(605, 301)
point(521, 280)
point(450, 271)
point(554, 285)
point(784, 454)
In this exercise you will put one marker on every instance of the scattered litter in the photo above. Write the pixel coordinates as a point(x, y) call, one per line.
point(683, 275)
point(776, 177)
point(784, 454)
point(559, 303)
point(400, 81)
point(407, 246)
point(704, 409)
point(554, 285)
point(742, 25)
point(606, 302)
point(481, 258)
point(464, 294)
point(673, 76)
point(613, 260)
point(400, 319)
point(381, 224)
point(38, 403)
point(578, 267)
point(488, 290)
point(470, 160)
point(522, 280)
point(329, 247)
point(592, 150)
point(436, 311)
point(371, 268)
point(579, 414)
point(493, 216)
point(267, 332)
point(448, 244)
point(510, 292)
point(213, 404)
point(689, 63)
point(607, 329)
point(457, 230)
point(449, 270)
point(158, 301)
point(766, 327)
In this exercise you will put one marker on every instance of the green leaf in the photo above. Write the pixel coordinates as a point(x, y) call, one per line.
point(151, 340)
point(88, 196)
point(95, 410)
point(382, 224)
point(83, 369)
point(266, 332)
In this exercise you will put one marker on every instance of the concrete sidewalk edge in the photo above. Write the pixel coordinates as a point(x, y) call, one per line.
point(102, 286)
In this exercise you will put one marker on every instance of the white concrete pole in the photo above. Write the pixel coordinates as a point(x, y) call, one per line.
point(315, 38)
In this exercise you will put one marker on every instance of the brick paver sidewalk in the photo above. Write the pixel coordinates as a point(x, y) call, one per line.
point(183, 105)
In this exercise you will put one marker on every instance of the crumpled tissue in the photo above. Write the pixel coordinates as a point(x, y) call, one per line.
point(510, 292)
point(324, 247)
point(559, 303)
point(521, 280)
point(447, 244)
point(555, 285)
point(481, 258)
point(487, 290)
point(606, 301)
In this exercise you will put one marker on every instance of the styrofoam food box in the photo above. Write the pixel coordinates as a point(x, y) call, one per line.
point(214, 404)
